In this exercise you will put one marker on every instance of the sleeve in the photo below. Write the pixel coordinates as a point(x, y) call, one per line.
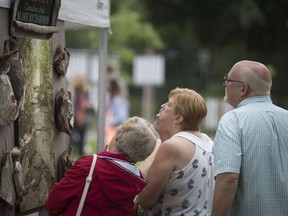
point(69, 188)
point(227, 145)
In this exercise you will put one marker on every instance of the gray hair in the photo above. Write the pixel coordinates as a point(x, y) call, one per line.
point(137, 139)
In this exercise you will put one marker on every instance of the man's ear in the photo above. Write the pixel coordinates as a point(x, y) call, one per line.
point(244, 90)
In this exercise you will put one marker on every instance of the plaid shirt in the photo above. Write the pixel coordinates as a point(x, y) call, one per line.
point(252, 140)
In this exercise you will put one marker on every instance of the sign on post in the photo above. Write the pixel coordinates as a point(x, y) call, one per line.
point(149, 70)
point(36, 16)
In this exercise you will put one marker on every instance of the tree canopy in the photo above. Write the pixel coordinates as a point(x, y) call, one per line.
point(200, 40)
point(230, 30)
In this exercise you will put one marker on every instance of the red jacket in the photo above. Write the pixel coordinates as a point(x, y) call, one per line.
point(112, 191)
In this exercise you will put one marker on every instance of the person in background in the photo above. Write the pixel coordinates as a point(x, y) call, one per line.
point(112, 75)
point(251, 147)
point(81, 105)
point(117, 110)
point(180, 178)
point(116, 181)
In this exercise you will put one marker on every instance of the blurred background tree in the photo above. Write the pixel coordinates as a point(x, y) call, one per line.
point(228, 31)
point(200, 40)
point(130, 34)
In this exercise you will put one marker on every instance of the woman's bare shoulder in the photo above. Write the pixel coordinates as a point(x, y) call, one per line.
point(172, 146)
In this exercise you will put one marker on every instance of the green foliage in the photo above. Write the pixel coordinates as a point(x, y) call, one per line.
point(131, 30)
point(86, 38)
point(231, 30)
point(216, 23)
point(130, 34)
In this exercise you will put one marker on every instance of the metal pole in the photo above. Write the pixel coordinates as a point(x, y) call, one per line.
point(103, 44)
point(148, 102)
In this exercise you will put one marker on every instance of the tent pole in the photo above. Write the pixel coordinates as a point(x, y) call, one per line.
point(103, 44)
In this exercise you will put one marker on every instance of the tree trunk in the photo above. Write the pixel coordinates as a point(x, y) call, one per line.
point(36, 123)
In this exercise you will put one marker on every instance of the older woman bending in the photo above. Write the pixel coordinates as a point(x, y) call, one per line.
point(116, 181)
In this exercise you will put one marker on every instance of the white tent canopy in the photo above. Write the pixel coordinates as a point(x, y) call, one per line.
point(88, 12)
point(5, 3)
point(93, 13)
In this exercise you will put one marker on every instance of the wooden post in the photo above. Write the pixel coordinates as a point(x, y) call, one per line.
point(148, 102)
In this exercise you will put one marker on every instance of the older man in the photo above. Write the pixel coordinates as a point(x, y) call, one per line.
point(251, 147)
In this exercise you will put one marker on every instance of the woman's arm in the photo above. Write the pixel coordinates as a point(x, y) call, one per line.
point(158, 174)
point(62, 192)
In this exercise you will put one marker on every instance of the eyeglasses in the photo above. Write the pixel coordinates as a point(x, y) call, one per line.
point(226, 81)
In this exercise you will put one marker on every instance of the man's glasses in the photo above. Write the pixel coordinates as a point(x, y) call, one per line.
point(226, 81)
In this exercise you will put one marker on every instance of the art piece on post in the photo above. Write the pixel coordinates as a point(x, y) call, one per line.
point(12, 82)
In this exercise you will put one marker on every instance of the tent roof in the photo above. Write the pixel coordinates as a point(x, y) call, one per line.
point(77, 13)
point(88, 12)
